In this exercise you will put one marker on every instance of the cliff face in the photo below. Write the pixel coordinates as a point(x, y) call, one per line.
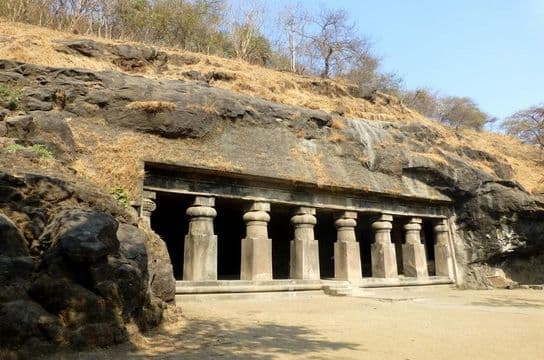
point(100, 126)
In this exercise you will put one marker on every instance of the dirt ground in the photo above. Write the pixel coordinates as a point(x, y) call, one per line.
point(402, 323)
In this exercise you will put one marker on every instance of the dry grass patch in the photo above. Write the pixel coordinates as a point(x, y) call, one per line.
point(153, 106)
point(337, 138)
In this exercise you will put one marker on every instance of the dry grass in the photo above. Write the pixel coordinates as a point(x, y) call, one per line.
point(338, 123)
point(36, 45)
point(152, 106)
point(337, 137)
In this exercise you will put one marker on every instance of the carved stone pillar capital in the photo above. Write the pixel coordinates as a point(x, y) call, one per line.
point(148, 205)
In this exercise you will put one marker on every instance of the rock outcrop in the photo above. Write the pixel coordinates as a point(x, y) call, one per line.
point(73, 267)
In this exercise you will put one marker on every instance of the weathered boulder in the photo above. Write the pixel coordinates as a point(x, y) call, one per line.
point(161, 273)
point(12, 242)
point(23, 320)
point(87, 277)
point(82, 236)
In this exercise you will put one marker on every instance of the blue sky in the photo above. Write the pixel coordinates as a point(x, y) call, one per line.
point(491, 51)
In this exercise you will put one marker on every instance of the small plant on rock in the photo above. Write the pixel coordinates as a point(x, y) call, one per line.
point(38, 149)
point(121, 195)
point(10, 97)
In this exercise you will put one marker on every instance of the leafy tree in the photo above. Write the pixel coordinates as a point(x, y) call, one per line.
point(424, 101)
point(461, 112)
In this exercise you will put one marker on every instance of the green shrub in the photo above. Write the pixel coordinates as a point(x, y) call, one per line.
point(121, 195)
point(38, 149)
point(10, 96)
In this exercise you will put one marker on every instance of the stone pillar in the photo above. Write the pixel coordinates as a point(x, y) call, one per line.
point(200, 255)
point(304, 261)
point(347, 257)
point(414, 259)
point(147, 207)
point(384, 261)
point(443, 259)
point(256, 247)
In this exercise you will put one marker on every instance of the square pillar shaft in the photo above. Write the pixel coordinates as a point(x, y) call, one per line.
point(256, 260)
point(384, 259)
point(200, 252)
point(414, 258)
point(443, 258)
point(347, 256)
point(304, 261)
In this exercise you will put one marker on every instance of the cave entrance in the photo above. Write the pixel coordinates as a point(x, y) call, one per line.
point(398, 238)
point(325, 233)
point(365, 236)
point(428, 239)
point(281, 232)
point(170, 222)
point(230, 230)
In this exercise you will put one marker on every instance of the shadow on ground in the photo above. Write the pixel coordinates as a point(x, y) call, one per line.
point(204, 339)
point(510, 302)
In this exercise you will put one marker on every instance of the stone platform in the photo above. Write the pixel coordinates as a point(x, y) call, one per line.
point(190, 290)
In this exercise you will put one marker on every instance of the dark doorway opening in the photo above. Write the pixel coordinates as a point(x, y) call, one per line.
point(398, 238)
point(427, 237)
point(230, 230)
point(325, 233)
point(365, 236)
point(281, 232)
point(170, 222)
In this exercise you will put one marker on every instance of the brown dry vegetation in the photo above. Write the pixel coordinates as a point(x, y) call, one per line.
point(152, 106)
point(115, 159)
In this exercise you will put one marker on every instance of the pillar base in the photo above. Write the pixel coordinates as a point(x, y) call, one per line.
point(304, 260)
point(384, 260)
point(200, 258)
point(443, 260)
point(414, 260)
point(256, 259)
point(347, 261)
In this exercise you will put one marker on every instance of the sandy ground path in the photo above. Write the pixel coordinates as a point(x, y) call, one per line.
point(418, 323)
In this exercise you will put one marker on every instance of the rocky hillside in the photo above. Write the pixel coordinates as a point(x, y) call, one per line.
point(69, 136)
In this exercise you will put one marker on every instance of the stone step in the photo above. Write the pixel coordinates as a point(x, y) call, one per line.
point(340, 289)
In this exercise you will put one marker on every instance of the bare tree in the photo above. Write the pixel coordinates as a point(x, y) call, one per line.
point(249, 19)
point(335, 40)
point(528, 125)
point(293, 21)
